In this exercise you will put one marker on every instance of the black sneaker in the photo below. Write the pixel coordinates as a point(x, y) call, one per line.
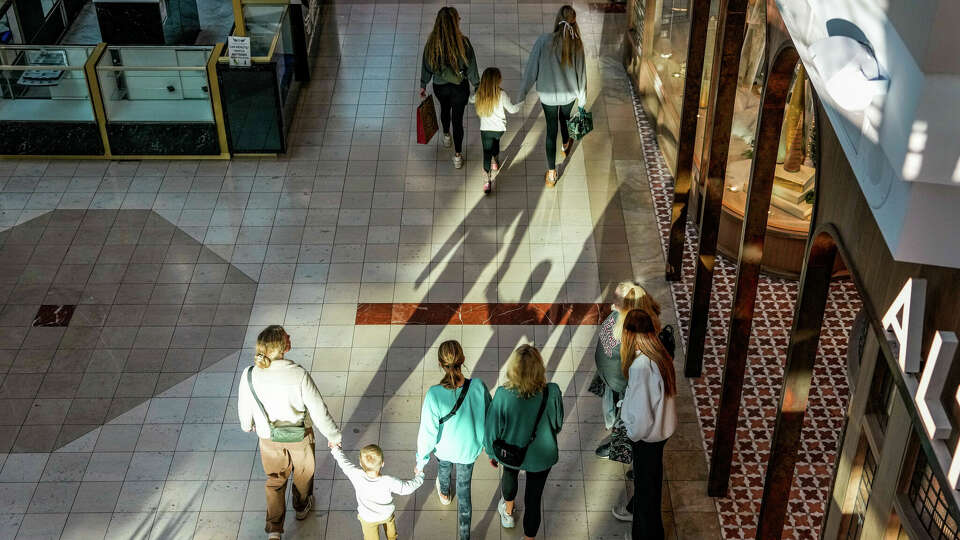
point(603, 451)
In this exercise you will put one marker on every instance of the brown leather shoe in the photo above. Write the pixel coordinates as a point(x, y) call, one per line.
point(550, 179)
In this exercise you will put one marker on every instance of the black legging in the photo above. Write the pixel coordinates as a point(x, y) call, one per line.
point(555, 114)
point(647, 490)
point(532, 496)
point(491, 147)
point(453, 99)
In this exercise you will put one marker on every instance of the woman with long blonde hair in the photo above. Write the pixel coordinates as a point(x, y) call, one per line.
point(279, 400)
point(452, 423)
point(557, 66)
point(492, 104)
point(449, 61)
point(649, 415)
point(521, 434)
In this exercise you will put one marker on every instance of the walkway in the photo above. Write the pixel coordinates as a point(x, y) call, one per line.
point(120, 418)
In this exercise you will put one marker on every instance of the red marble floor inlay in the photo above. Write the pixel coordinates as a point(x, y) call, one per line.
point(481, 313)
point(824, 419)
point(49, 315)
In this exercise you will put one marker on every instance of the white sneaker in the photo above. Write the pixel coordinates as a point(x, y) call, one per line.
point(444, 499)
point(274, 536)
point(302, 514)
point(458, 161)
point(447, 141)
point(506, 520)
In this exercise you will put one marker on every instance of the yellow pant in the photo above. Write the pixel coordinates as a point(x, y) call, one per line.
point(371, 531)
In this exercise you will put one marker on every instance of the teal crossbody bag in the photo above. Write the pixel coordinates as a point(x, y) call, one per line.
point(280, 434)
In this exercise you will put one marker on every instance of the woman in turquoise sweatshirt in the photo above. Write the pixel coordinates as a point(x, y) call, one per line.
point(512, 419)
point(451, 425)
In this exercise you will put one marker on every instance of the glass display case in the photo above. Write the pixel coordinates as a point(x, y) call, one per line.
point(44, 84)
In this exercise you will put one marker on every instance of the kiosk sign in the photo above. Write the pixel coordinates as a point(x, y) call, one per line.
point(238, 49)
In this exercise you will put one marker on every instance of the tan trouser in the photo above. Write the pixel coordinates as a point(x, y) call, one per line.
point(371, 531)
point(279, 460)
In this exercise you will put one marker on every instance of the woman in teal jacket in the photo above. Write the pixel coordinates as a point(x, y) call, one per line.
point(453, 432)
point(512, 418)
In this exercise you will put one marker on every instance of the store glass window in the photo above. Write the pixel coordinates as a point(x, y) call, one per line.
point(881, 393)
point(864, 488)
point(47, 6)
point(671, 35)
point(929, 501)
point(793, 189)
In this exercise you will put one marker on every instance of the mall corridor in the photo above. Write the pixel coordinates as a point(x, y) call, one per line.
point(120, 397)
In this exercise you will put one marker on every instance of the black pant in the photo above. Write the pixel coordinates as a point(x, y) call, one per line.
point(531, 496)
point(555, 114)
point(491, 147)
point(647, 490)
point(453, 99)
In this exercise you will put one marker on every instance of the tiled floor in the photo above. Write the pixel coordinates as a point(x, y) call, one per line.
point(773, 319)
point(122, 423)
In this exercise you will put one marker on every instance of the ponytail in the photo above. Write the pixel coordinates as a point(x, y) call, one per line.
point(271, 344)
point(451, 360)
point(566, 36)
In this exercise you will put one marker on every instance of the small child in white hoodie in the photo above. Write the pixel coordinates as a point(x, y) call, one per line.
point(492, 105)
point(374, 491)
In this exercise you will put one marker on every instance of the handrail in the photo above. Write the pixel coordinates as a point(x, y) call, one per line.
point(151, 68)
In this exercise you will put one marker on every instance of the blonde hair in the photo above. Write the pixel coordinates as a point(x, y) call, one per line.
point(451, 358)
point(526, 373)
point(631, 295)
point(446, 45)
point(640, 335)
point(488, 93)
point(371, 458)
point(566, 36)
point(271, 344)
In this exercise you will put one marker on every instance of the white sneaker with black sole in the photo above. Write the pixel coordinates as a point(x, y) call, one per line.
point(506, 520)
point(458, 161)
point(447, 141)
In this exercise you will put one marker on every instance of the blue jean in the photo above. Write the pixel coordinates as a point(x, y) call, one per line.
point(464, 508)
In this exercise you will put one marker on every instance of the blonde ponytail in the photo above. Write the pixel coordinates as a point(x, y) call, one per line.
point(271, 344)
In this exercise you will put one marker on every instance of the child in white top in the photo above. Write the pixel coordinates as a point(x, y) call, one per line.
point(492, 105)
point(375, 491)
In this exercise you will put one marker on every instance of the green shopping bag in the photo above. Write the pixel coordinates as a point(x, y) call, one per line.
point(580, 125)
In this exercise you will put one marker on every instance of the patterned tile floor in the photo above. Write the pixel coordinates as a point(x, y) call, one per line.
point(771, 327)
point(122, 424)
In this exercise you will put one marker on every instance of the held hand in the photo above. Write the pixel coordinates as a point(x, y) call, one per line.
point(417, 471)
point(334, 444)
point(493, 463)
point(423, 92)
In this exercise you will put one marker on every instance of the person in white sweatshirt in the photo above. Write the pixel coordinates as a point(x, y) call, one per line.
point(492, 105)
point(649, 415)
point(375, 491)
point(279, 399)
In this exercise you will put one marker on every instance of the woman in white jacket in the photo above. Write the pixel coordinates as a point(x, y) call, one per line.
point(649, 416)
point(279, 399)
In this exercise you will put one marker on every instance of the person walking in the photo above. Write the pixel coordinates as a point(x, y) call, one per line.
point(649, 415)
point(451, 426)
point(609, 382)
point(492, 105)
point(557, 66)
point(521, 435)
point(279, 399)
point(449, 61)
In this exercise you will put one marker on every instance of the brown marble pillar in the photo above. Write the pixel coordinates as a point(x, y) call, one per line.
point(797, 375)
point(686, 139)
point(723, 91)
point(748, 268)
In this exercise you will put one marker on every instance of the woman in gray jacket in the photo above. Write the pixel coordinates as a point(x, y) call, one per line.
point(557, 66)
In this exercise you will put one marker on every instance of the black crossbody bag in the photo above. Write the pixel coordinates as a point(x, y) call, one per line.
point(456, 406)
point(513, 455)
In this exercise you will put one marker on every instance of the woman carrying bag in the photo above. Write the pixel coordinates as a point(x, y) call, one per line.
point(279, 399)
point(521, 434)
point(649, 414)
point(449, 61)
point(451, 426)
point(557, 66)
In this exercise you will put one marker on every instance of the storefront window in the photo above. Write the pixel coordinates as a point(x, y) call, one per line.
point(671, 33)
point(792, 201)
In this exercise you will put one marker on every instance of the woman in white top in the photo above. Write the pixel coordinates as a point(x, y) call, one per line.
point(649, 415)
point(276, 398)
point(493, 104)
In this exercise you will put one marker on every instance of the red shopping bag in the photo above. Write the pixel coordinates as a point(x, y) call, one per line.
point(426, 121)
